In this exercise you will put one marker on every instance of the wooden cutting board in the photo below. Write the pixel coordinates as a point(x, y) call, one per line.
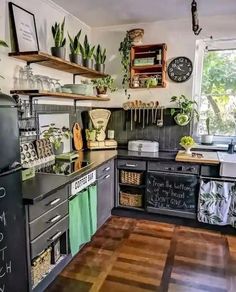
point(208, 157)
point(77, 137)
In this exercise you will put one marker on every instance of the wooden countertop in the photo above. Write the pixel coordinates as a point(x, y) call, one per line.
point(207, 157)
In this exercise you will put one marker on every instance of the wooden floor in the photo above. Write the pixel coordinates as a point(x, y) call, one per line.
point(129, 255)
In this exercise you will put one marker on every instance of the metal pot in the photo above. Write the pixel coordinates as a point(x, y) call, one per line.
point(76, 58)
point(59, 52)
point(88, 63)
point(100, 68)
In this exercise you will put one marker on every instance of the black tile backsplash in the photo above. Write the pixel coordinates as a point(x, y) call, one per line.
point(168, 136)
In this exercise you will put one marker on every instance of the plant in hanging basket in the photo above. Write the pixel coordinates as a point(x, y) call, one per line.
point(59, 49)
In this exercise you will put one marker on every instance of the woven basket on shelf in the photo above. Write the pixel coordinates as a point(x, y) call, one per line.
point(40, 266)
point(132, 200)
point(132, 178)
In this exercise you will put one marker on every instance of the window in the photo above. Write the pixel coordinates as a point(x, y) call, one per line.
point(217, 88)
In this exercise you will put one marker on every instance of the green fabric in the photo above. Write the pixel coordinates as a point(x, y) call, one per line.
point(93, 208)
point(74, 226)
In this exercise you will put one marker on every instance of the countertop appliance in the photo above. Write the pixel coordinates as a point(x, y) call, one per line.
point(143, 146)
point(14, 276)
point(172, 189)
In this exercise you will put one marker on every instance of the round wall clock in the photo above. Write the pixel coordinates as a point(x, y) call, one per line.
point(180, 69)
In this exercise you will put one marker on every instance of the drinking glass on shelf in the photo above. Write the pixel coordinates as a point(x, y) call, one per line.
point(57, 85)
point(31, 80)
point(46, 84)
point(38, 82)
point(51, 85)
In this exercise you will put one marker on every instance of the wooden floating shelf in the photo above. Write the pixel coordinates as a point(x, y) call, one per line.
point(49, 61)
point(37, 93)
point(147, 67)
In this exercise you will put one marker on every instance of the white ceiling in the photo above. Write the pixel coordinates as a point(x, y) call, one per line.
point(115, 12)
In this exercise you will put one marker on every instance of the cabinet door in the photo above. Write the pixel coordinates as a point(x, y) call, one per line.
point(105, 196)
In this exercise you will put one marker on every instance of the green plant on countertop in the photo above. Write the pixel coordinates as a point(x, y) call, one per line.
point(186, 110)
point(208, 126)
point(100, 56)
point(187, 141)
point(3, 44)
point(58, 34)
point(86, 49)
point(124, 49)
point(74, 43)
point(55, 135)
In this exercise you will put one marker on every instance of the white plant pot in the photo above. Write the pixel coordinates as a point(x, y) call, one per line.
point(207, 139)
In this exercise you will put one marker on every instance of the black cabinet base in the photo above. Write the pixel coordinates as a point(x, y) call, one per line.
point(171, 220)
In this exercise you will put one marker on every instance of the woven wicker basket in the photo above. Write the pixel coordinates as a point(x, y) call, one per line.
point(40, 266)
point(132, 178)
point(132, 200)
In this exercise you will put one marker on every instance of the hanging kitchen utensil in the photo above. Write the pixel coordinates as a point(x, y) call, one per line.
point(139, 114)
point(144, 108)
point(148, 107)
point(131, 115)
point(135, 110)
point(77, 137)
point(160, 121)
point(156, 108)
point(152, 109)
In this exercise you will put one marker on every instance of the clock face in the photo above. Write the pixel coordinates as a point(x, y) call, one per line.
point(180, 69)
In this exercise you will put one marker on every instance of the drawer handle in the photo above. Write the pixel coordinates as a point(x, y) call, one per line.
point(107, 176)
point(131, 165)
point(107, 168)
point(54, 201)
point(54, 219)
point(54, 237)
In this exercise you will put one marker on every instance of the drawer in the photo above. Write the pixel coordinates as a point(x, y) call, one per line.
point(46, 238)
point(48, 203)
point(105, 169)
point(131, 164)
point(48, 219)
point(174, 167)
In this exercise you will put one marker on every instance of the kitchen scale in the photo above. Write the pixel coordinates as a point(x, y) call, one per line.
point(99, 119)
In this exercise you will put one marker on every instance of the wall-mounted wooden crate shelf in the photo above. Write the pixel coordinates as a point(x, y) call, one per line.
point(143, 71)
point(49, 61)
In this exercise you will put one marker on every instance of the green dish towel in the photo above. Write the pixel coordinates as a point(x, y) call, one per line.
point(74, 226)
point(93, 208)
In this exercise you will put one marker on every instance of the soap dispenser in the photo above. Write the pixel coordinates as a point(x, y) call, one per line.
point(231, 148)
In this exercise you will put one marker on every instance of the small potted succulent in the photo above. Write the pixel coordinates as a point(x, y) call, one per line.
point(56, 135)
point(103, 84)
point(187, 142)
point(185, 112)
point(59, 49)
point(87, 53)
point(207, 138)
point(100, 58)
point(75, 56)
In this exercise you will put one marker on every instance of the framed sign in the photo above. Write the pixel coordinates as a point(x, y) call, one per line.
point(24, 29)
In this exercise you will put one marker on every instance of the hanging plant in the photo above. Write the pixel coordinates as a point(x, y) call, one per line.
point(125, 47)
point(3, 44)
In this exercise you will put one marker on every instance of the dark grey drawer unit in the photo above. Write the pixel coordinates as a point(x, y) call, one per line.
point(174, 167)
point(105, 169)
point(47, 220)
point(131, 164)
point(48, 203)
point(45, 239)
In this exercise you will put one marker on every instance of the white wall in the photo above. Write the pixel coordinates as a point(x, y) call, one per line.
point(46, 13)
point(180, 40)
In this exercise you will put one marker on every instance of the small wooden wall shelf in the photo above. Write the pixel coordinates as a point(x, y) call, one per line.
point(49, 61)
point(36, 93)
point(144, 71)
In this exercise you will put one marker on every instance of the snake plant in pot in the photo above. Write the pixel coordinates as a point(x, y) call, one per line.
point(75, 56)
point(87, 53)
point(207, 139)
point(103, 84)
point(59, 49)
point(100, 58)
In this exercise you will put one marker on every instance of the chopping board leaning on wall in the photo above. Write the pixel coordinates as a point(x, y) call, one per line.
point(77, 137)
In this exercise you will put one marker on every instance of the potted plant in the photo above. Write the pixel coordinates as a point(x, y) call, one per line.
point(136, 36)
point(103, 84)
point(75, 56)
point(3, 44)
point(185, 112)
point(59, 49)
point(100, 58)
point(207, 138)
point(124, 49)
point(187, 142)
point(87, 53)
point(56, 135)
point(151, 82)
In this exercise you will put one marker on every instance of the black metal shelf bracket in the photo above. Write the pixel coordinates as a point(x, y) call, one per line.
point(35, 62)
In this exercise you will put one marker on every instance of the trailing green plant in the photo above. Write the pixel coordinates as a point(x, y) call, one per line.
point(105, 82)
point(185, 106)
point(58, 34)
point(86, 49)
point(55, 135)
point(208, 126)
point(3, 44)
point(124, 49)
point(100, 56)
point(151, 82)
point(74, 44)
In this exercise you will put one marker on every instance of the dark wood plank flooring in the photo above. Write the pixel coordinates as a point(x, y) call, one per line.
point(129, 255)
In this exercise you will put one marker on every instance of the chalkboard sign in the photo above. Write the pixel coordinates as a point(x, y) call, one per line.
point(13, 272)
point(171, 191)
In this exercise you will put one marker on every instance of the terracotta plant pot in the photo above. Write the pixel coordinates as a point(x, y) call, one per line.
point(100, 68)
point(101, 91)
point(88, 63)
point(76, 58)
point(136, 35)
point(59, 52)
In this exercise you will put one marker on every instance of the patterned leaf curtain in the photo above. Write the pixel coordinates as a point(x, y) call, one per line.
point(217, 202)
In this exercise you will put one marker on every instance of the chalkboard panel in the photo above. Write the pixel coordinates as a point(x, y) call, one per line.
point(172, 191)
point(13, 272)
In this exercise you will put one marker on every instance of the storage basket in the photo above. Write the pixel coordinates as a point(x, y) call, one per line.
point(132, 200)
point(40, 266)
point(133, 178)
